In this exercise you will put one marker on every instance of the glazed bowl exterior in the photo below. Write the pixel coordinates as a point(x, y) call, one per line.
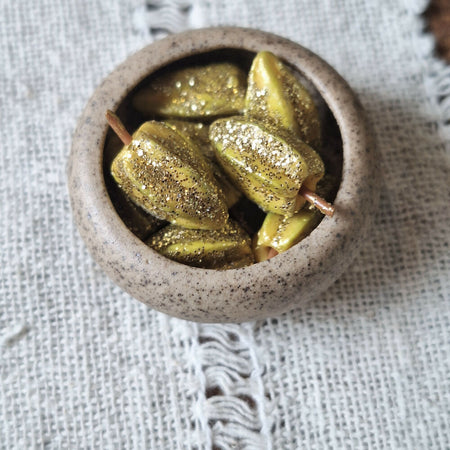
point(262, 290)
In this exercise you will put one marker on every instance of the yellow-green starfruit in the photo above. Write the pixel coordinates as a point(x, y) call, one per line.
point(269, 166)
point(196, 92)
point(198, 133)
point(162, 172)
point(276, 96)
point(227, 248)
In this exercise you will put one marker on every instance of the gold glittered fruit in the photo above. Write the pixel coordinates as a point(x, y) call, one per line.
point(162, 172)
point(198, 134)
point(212, 90)
point(278, 234)
point(269, 166)
point(227, 248)
point(135, 218)
point(275, 95)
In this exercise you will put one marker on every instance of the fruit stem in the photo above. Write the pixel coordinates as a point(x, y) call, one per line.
point(119, 128)
point(272, 252)
point(322, 205)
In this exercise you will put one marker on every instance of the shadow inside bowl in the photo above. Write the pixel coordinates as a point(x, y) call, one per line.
point(247, 213)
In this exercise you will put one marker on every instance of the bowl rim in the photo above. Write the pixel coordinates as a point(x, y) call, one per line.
point(139, 269)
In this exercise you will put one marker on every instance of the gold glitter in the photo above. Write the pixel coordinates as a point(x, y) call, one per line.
point(180, 170)
point(269, 168)
point(136, 219)
point(195, 92)
point(275, 95)
point(186, 194)
point(198, 134)
point(227, 248)
point(281, 233)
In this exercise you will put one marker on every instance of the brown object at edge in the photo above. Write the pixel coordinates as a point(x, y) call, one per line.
point(116, 124)
point(437, 17)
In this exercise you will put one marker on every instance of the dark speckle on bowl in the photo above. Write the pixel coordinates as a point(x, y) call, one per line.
point(254, 292)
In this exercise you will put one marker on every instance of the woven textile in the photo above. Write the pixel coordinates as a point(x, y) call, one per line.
point(82, 365)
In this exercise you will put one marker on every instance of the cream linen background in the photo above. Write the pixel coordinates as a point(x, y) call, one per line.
point(84, 366)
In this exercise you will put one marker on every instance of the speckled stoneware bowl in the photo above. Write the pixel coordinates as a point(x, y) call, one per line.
point(258, 291)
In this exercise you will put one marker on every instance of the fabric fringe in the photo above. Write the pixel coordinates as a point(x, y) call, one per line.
point(158, 18)
point(231, 408)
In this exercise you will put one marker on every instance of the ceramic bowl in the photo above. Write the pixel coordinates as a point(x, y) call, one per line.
point(262, 290)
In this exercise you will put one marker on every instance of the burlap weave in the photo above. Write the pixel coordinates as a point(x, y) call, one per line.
point(84, 366)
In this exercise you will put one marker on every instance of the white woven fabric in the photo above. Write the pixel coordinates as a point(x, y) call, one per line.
point(84, 366)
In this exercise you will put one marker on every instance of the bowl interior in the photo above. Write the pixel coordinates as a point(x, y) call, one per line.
point(331, 150)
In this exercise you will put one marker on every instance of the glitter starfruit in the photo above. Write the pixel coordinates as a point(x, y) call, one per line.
point(135, 218)
point(216, 89)
point(281, 233)
point(276, 96)
point(227, 248)
point(278, 233)
point(198, 134)
point(162, 172)
point(269, 166)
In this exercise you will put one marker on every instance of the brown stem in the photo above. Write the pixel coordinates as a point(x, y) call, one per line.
point(322, 205)
point(116, 124)
point(272, 252)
